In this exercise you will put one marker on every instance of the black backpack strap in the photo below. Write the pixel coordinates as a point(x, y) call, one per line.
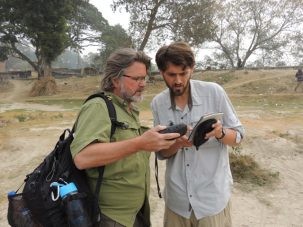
point(110, 107)
point(113, 118)
point(157, 177)
point(115, 123)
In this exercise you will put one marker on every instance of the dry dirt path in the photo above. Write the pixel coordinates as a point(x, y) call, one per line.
point(19, 91)
point(238, 83)
point(275, 143)
point(15, 98)
point(279, 206)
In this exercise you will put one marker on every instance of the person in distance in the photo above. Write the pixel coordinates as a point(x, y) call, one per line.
point(299, 77)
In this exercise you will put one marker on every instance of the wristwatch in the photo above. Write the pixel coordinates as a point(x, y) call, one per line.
point(223, 134)
point(238, 137)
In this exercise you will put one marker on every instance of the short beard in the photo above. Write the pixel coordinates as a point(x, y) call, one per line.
point(130, 97)
point(177, 92)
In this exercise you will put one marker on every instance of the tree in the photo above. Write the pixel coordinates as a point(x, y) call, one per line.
point(87, 26)
point(42, 24)
point(89, 59)
point(13, 63)
point(112, 38)
point(69, 59)
point(93, 29)
point(297, 46)
point(4, 51)
point(190, 21)
point(244, 27)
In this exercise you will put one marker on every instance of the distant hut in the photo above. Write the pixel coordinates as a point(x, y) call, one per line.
point(16, 74)
point(2, 66)
point(89, 71)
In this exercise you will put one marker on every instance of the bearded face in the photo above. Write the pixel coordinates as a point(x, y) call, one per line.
point(131, 95)
point(178, 89)
point(177, 79)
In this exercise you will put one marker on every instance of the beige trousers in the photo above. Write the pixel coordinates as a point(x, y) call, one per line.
point(108, 222)
point(222, 219)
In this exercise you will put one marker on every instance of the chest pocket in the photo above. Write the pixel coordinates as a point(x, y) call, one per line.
point(123, 133)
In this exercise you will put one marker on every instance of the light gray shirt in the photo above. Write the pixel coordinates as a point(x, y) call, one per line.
point(198, 180)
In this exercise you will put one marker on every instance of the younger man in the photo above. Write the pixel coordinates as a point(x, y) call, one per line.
point(197, 182)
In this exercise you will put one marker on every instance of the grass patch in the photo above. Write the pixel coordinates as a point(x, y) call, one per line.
point(295, 138)
point(145, 104)
point(5, 85)
point(246, 170)
point(34, 117)
point(154, 88)
point(64, 103)
point(284, 135)
point(45, 86)
point(3, 122)
point(22, 117)
point(269, 102)
point(220, 77)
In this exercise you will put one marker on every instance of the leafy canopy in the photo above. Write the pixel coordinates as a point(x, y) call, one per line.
point(158, 20)
point(41, 24)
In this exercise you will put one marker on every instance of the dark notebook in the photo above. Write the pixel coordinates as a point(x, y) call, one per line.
point(203, 126)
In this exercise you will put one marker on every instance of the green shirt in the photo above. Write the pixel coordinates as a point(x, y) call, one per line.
point(125, 184)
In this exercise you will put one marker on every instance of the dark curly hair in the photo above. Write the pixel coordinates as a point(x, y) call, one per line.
point(177, 53)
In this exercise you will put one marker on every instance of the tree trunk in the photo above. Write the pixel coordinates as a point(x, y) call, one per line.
point(44, 68)
point(239, 63)
point(46, 84)
point(47, 70)
point(23, 56)
point(150, 25)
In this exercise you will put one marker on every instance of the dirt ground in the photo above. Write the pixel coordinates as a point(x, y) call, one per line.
point(273, 138)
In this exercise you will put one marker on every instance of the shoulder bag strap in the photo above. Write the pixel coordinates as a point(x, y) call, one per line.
point(115, 123)
point(113, 117)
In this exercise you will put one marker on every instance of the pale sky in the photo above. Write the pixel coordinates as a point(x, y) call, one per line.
point(119, 17)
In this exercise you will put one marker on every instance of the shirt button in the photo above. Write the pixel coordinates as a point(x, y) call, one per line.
point(181, 117)
point(190, 196)
point(187, 164)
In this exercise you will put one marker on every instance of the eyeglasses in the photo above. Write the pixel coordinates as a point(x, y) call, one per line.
point(138, 79)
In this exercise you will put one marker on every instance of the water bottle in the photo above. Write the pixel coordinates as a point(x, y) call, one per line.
point(74, 208)
point(11, 194)
point(11, 212)
point(18, 214)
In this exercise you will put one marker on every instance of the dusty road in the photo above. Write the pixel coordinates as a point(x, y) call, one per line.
point(274, 139)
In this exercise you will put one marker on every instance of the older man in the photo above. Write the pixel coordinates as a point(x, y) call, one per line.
point(125, 187)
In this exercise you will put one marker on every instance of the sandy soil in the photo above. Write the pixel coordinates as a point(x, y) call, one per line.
point(273, 139)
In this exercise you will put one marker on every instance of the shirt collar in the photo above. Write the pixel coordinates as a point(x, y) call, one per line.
point(195, 93)
point(121, 102)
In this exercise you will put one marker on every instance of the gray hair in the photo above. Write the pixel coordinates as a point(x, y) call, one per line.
point(118, 61)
